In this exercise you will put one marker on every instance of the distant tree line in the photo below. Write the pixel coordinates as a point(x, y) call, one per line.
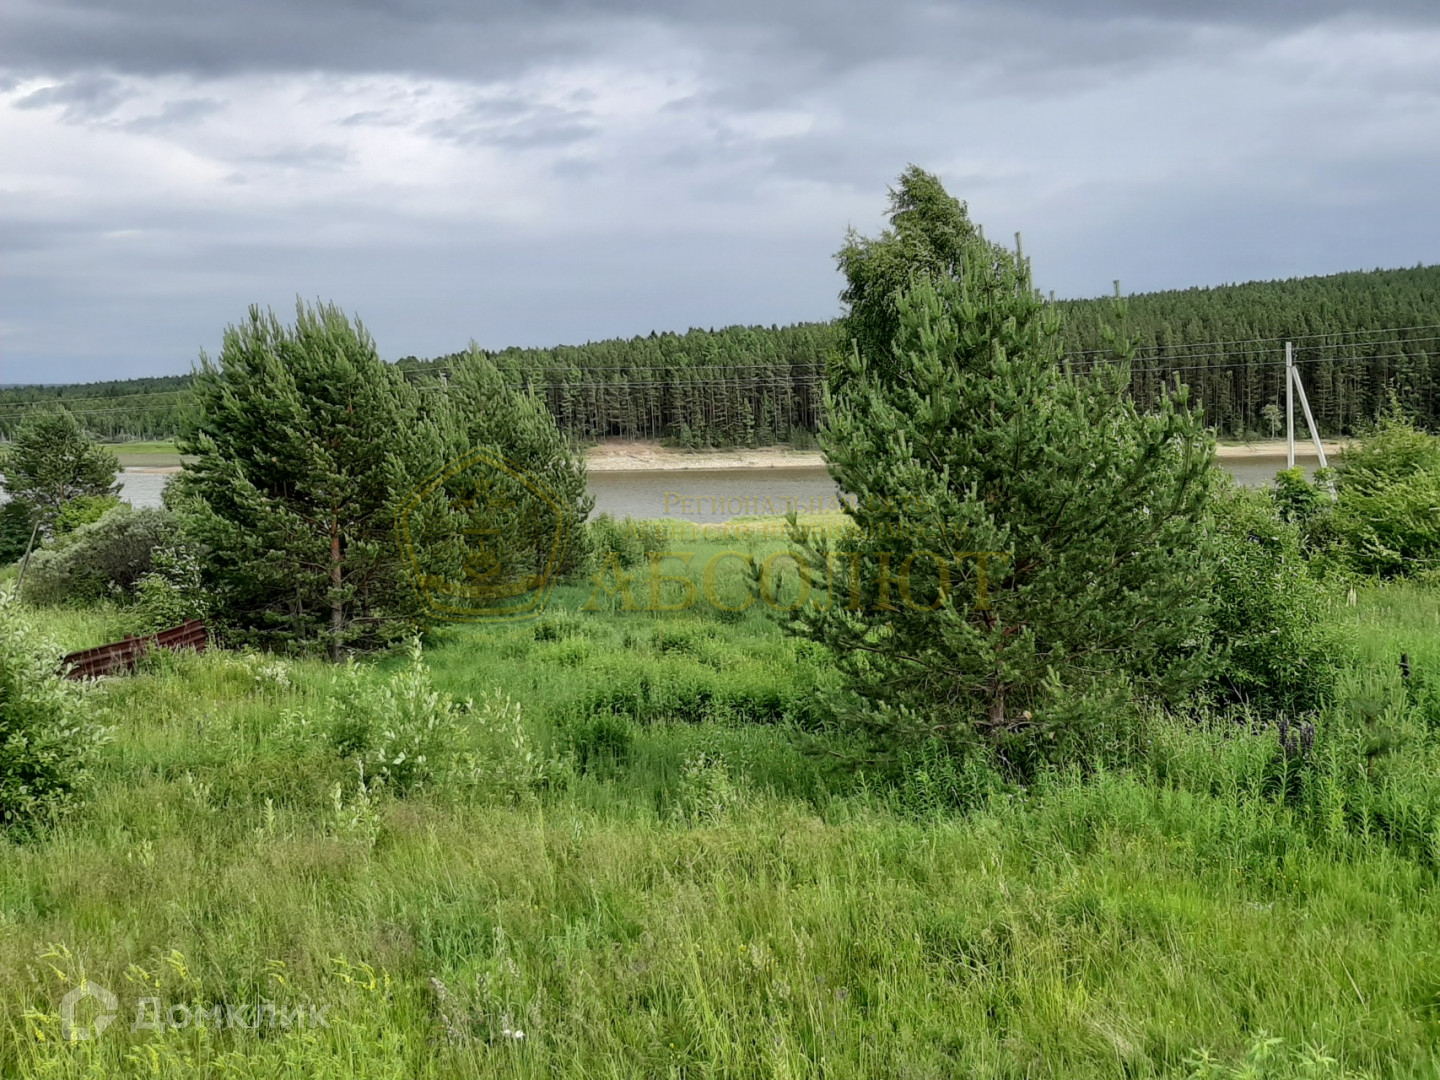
point(733, 387)
point(120, 410)
point(1337, 323)
point(1357, 336)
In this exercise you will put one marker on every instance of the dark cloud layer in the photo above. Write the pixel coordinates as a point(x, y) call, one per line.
point(534, 173)
point(495, 38)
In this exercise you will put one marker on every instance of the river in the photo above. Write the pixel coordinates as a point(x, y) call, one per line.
point(706, 495)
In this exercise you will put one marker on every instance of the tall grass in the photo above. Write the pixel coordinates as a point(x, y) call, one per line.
point(686, 893)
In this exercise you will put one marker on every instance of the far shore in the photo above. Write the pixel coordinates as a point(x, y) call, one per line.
point(652, 457)
point(634, 456)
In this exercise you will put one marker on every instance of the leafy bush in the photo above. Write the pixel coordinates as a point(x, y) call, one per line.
point(1296, 499)
point(626, 541)
point(504, 760)
point(16, 525)
point(405, 735)
point(609, 538)
point(1388, 515)
point(1267, 611)
point(707, 791)
point(1395, 530)
point(46, 742)
point(105, 558)
point(83, 510)
point(402, 731)
point(174, 591)
point(1393, 450)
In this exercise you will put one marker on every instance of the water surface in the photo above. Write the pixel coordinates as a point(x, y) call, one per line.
point(708, 495)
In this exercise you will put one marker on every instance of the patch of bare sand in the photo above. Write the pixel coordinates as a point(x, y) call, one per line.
point(1275, 448)
point(638, 456)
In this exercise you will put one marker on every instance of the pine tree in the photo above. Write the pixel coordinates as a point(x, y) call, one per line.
point(306, 443)
point(51, 462)
point(552, 502)
point(1026, 543)
point(929, 234)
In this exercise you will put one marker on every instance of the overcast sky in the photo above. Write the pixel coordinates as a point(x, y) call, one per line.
point(536, 173)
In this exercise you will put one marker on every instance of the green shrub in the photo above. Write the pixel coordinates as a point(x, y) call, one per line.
point(1296, 498)
point(1268, 614)
point(606, 538)
point(1388, 515)
point(707, 791)
point(404, 735)
point(1393, 450)
point(106, 558)
point(1394, 530)
point(16, 525)
point(403, 732)
point(83, 510)
point(174, 590)
point(46, 741)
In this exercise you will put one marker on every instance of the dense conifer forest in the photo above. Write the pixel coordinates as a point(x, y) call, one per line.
point(1356, 337)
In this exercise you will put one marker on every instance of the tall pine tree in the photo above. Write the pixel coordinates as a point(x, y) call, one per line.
point(306, 444)
point(1026, 545)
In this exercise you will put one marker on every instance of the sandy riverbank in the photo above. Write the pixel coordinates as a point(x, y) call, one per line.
point(652, 457)
point(1275, 448)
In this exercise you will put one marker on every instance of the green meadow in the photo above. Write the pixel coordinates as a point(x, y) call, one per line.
point(639, 858)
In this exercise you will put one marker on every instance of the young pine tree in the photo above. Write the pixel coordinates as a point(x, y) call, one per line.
point(52, 462)
point(1027, 547)
point(307, 443)
point(513, 427)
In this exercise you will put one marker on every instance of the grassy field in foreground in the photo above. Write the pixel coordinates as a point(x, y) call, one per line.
point(659, 883)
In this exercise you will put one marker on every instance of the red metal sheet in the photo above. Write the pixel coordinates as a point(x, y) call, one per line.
point(123, 655)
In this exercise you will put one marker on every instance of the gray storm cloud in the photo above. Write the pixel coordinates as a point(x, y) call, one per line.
point(529, 173)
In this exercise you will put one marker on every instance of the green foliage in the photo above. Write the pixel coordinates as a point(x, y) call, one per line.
point(16, 526)
point(1065, 520)
point(47, 741)
point(106, 558)
point(1395, 531)
point(404, 735)
point(1388, 515)
point(1390, 451)
point(1296, 499)
point(174, 590)
point(707, 792)
point(1273, 418)
point(930, 236)
point(1269, 617)
point(620, 541)
point(52, 461)
point(307, 445)
point(515, 428)
point(402, 732)
point(83, 510)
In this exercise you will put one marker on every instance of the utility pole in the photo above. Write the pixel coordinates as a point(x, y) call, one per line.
point(1289, 406)
point(1293, 385)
